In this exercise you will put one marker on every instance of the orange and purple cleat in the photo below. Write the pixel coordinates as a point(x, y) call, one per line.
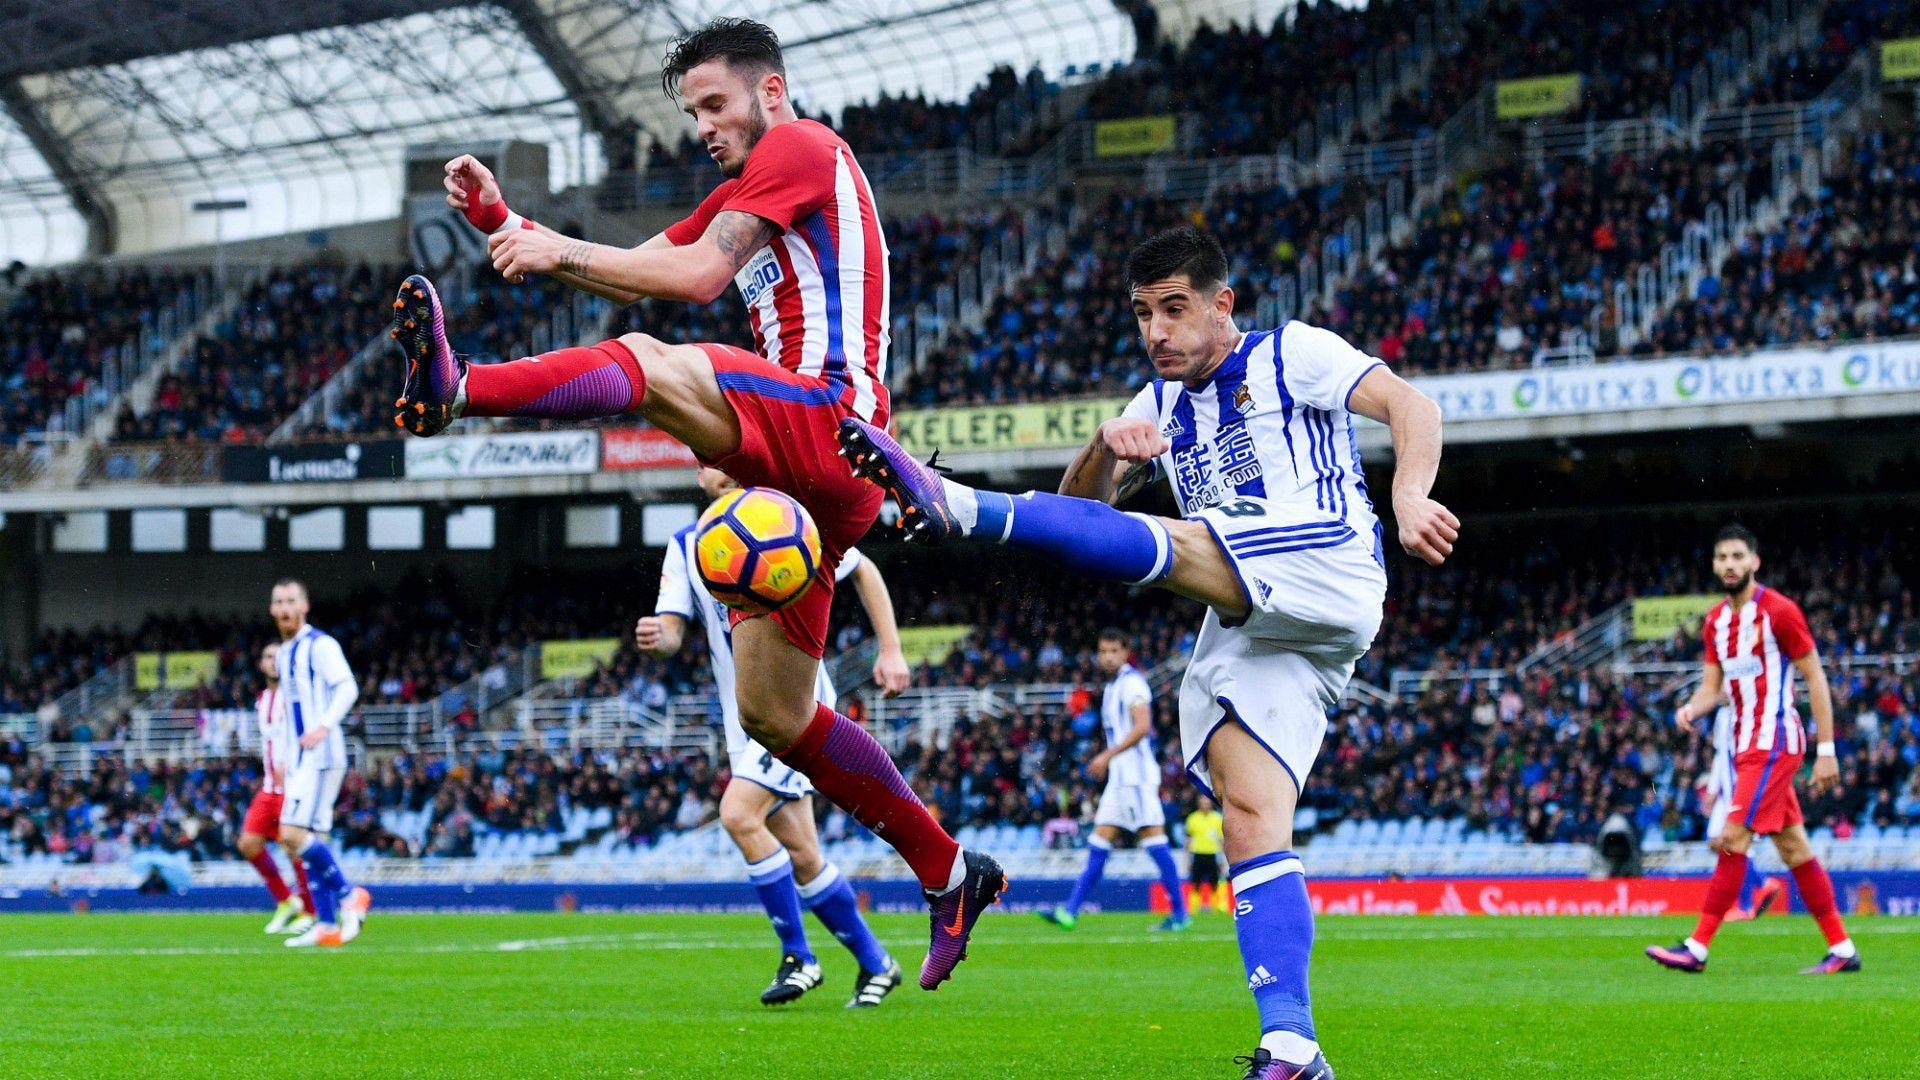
point(1678, 957)
point(952, 914)
point(1834, 964)
point(924, 514)
point(429, 400)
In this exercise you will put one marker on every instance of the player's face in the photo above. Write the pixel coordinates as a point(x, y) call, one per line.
point(714, 483)
point(1734, 563)
point(728, 114)
point(1187, 332)
point(270, 663)
point(1112, 656)
point(288, 608)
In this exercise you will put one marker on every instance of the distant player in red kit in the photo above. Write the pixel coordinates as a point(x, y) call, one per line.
point(293, 914)
point(1755, 640)
point(795, 228)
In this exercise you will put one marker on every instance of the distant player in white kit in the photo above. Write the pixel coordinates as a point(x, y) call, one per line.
point(767, 807)
point(1277, 537)
point(320, 691)
point(293, 913)
point(1130, 802)
point(1716, 793)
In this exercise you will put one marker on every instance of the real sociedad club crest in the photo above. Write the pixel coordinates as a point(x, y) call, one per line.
point(1243, 397)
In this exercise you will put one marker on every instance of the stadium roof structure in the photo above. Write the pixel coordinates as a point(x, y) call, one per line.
point(115, 119)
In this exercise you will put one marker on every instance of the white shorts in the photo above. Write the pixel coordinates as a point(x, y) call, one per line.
point(1131, 807)
point(1315, 606)
point(756, 764)
point(311, 793)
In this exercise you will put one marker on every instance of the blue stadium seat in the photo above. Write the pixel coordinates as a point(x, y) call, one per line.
point(1368, 833)
point(1390, 832)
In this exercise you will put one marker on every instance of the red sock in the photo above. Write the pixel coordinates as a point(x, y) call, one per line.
point(1816, 889)
point(1722, 893)
point(270, 874)
point(300, 876)
point(851, 769)
point(581, 383)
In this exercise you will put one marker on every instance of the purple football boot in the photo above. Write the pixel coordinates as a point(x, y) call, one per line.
point(952, 914)
point(1678, 957)
point(924, 514)
point(434, 373)
point(1264, 1066)
point(1834, 965)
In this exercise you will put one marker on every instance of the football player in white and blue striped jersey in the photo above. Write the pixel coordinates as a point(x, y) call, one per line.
point(1277, 536)
point(767, 807)
point(320, 691)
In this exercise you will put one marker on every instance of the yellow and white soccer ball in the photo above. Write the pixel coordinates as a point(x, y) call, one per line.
point(758, 549)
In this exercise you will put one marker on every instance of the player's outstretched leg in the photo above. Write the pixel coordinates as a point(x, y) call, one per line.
point(580, 383)
point(1085, 536)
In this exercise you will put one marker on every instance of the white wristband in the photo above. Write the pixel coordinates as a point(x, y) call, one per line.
point(514, 221)
point(1825, 749)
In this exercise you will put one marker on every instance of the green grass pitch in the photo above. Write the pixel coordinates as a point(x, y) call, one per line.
point(496, 996)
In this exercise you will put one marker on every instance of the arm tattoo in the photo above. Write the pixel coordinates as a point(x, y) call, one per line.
point(739, 235)
point(1137, 476)
point(576, 257)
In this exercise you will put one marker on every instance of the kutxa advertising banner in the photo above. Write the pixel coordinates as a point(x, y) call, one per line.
point(1777, 375)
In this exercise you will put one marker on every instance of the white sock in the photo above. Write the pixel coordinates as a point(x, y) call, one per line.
point(961, 500)
point(1698, 950)
point(1288, 1047)
point(1844, 949)
point(460, 398)
point(959, 873)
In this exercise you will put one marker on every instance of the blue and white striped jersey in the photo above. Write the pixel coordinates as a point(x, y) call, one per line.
point(319, 688)
point(1135, 765)
point(1271, 422)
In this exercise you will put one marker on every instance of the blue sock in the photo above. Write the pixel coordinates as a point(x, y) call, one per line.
point(1274, 921)
point(1097, 852)
point(1086, 537)
point(1169, 874)
point(772, 878)
point(1748, 884)
point(830, 897)
point(324, 879)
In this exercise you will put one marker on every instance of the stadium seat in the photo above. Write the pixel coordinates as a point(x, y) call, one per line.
point(1368, 834)
point(1390, 833)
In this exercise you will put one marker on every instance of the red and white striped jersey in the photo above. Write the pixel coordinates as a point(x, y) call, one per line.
point(1755, 645)
point(818, 295)
point(269, 711)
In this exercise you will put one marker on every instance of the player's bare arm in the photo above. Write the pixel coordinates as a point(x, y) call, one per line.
point(660, 635)
point(1706, 698)
point(1826, 766)
point(696, 273)
point(1428, 530)
point(890, 671)
point(1117, 462)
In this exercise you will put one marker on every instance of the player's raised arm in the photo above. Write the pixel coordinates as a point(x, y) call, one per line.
point(1119, 460)
point(890, 671)
point(697, 273)
point(1427, 529)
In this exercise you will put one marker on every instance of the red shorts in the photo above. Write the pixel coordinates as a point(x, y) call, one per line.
point(789, 441)
point(1763, 797)
point(263, 815)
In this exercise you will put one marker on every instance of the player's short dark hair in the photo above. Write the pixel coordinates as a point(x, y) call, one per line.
point(1114, 633)
point(295, 583)
point(1737, 531)
point(748, 47)
point(1184, 250)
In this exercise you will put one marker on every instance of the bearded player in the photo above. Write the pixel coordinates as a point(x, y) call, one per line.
point(1755, 641)
point(794, 226)
point(767, 808)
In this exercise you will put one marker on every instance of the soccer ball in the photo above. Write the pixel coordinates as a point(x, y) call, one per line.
point(757, 550)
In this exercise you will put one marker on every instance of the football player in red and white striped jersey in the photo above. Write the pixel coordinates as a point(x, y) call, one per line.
point(1756, 640)
point(293, 914)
